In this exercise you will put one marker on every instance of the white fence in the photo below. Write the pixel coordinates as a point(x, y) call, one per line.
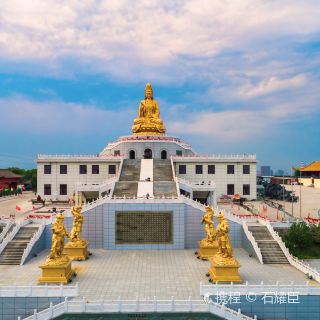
point(300, 288)
point(133, 306)
point(32, 241)
point(39, 291)
point(295, 262)
point(5, 229)
point(253, 241)
point(12, 234)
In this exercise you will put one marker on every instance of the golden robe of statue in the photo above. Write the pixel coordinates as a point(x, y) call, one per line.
point(148, 121)
point(76, 231)
point(225, 250)
point(59, 231)
point(207, 220)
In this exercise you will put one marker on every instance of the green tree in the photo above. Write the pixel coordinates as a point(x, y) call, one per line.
point(298, 237)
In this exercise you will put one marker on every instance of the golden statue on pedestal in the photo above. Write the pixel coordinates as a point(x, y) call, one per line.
point(148, 121)
point(57, 267)
point(208, 246)
point(77, 248)
point(224, 266)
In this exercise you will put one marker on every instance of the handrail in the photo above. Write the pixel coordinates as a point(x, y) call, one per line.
point(301, 288)
point(12, 234)
point(174, 176)
point(196, 184)
point(40, 291)
point(294, 261)
point(141, 306)
point(253, 241)
point(31, 243)
point(5, 230)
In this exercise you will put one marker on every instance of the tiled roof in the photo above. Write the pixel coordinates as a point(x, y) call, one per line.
point(313, 166)
point(5, 173)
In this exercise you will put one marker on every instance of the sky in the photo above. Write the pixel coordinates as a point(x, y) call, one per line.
point(230, 76)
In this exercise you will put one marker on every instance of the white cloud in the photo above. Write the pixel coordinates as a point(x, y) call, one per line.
point(56, 117)
point(130, 38)
point(271, 85)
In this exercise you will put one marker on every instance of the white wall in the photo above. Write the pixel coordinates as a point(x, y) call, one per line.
point(221, 178)
point(72, 177)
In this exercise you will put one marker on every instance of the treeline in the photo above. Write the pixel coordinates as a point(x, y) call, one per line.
point(27, 174)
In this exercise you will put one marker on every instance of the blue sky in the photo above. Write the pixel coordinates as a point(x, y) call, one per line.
point(230, 76)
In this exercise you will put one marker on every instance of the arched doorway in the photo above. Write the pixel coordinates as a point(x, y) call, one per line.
point(148, 154)
point(163, 154)
point(132, 154)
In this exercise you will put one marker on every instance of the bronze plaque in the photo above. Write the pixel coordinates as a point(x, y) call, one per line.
point(144, 227)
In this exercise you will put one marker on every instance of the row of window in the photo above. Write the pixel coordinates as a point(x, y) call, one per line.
point(245, 189)
point(64, 189)
point(95, 168)
point(212, 169)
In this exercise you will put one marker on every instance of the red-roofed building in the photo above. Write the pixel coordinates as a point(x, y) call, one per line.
point(8, 179)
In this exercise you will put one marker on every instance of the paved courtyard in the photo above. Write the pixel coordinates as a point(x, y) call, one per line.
point(147, 273)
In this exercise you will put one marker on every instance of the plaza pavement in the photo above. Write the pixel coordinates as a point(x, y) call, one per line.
point(109, 274)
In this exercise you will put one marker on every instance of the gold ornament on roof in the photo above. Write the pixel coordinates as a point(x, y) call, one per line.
point(148, 121)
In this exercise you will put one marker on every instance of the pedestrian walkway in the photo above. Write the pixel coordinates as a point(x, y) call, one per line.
point(145, 185)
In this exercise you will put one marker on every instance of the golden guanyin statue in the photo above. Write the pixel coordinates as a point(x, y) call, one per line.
point(207, 220)
point(224, 266)
point(208, 246)
point(148, 121)
point(57, 267)
point(225, 250)
point(77, 248)
point(59, 232)
point(76, 231)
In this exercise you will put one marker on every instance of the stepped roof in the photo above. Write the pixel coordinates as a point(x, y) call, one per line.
point(313, 166)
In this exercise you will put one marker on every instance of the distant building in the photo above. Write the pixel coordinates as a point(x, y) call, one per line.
point(8, 179)
point(266, 171)
point(279, 173)
point(311, 170)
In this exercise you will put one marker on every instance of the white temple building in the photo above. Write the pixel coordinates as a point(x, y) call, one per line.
point(149, 164)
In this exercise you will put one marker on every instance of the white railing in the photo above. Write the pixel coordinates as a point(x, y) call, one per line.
point(12, 234)
point(300, 288)
point(205, 185)
point(252, 241)
point(294, 261)
point(40, 291)
point(5, 230)
point(82, 156)
point(32, 242)
point(218, 157)
point(174, 176)
point(141, 306)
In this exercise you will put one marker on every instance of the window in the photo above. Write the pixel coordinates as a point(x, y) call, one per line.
point(112, 169)
point(211, 169)
point(117, 152)
point(246, 169)
point(246, 189)
point(63, 190)
point(179, 153)
point(47, 169)
point(47, 189)
point(95, 169)
point(198, 168)
point(230, 189)
point(63, 169)
point(182, 169)
point(163, 154)
point(230, 169)
point(83, 169)
point(132, 154)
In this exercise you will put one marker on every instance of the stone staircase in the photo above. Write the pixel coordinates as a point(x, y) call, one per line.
point(127, 186)
point(130, 170)
point(162, 170)
point(270, 249)
point(164, 188)
point(127, 189)
point(12, 253)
